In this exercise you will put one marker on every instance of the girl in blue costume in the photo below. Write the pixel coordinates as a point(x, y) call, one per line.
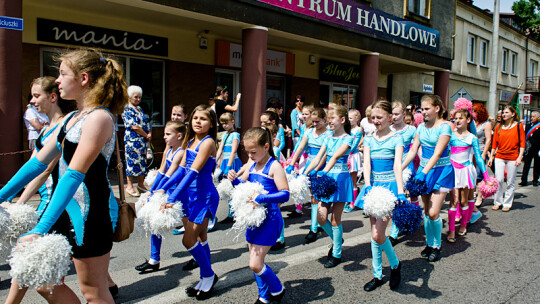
point(464, 146)
point(306, 115)
point(198, 195)
point(312, 140)
point(271, 117)
point(85, 142)
point(173, 135)
point(355, 157)
point(267, 171)
point(383, 151)
point(335, 150)
point(407, 132)
point(227, 153)
point(296, 119)
point(435, 170)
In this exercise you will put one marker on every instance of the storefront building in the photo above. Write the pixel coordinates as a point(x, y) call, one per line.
point(346, 51)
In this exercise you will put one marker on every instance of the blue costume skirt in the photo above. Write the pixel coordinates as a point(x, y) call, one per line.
point(236, 165)
point(200, 204)
point(441, 175)
point(268, 232)
point(340, 173)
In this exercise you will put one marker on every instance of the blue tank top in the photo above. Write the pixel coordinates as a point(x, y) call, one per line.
point(204, 178)
point(264, 179)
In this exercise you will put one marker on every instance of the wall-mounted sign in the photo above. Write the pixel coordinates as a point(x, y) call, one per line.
point(11, 23)
point(229, 54)
point(525, 99)
point(91, 36)
point(360, 17)
point(462, 93)
point(427, 88)
point(339, 72)
point(506, 96)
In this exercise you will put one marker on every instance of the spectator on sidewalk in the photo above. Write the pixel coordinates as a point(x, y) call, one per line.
point(532, 146)
point(34, 122)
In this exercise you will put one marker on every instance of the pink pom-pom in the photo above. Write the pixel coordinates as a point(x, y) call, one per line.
point(418, 119)
point(463, 104)
point(487, 190)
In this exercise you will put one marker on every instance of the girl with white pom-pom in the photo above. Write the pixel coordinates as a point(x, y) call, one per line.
point(198, 194)
point(335, 150)
point(355, 157)
point(435, 171)
point(85, 142)
point(383, 151)
point(407, 132)
point(166, 180)
point(312, 140)
point(464, 146)
point(267, 171)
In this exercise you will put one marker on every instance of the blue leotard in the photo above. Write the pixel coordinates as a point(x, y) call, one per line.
point(268, 232)
point(203, 198)
point(339, 172)
point(168, 162)
point(227, 148)
point(442, 174)
point(382, 155)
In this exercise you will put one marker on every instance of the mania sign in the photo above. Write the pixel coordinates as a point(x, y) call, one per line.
point(78, 34)
point(360, 17)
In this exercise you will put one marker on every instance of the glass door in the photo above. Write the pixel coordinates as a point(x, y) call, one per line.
point(231, 79)
point(342, 94)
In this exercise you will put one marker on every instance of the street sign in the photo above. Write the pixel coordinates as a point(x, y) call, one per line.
point(427, 88)
point(525, 99)
point(11, 23)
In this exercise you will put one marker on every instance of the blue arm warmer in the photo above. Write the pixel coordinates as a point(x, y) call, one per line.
point(67, 186)
point(26, 174)
point(174, 179)
point(159, 176)
point(179, 193)
point(281, 138)
point(279, 197)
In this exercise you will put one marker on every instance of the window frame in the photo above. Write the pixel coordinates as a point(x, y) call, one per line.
point(471, 51)
point(484, 53)
point(127, 74)
point(415, 15)
point(513, 63)
point(533, 68)
point(504, 61)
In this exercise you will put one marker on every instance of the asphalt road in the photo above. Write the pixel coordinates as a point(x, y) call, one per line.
point(496, 262)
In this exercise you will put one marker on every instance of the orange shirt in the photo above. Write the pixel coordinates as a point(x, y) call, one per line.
point(508, 142)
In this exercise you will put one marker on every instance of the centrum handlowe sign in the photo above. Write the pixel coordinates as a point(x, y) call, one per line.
point(78, 34)
point(363, 18)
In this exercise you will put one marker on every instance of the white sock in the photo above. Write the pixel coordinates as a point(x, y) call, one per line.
point(153, 262)
point(263, 300)
point(206, 283)
point(198, 286)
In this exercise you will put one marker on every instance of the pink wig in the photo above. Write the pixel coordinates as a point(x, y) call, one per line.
point(418, 119)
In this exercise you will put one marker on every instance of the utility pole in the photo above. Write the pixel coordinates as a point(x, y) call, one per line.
point(492, 104)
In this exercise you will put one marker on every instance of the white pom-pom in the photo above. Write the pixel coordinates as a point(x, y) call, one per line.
point(5, 222)
point(142, 201)
point(406, 175)
point(155, 221)
point(298, 188)
point(379, 202)
point(42, 262)
point(150, 178)
point(246, 213)
point(225, 189)
point(23, 219)
point(216, 175)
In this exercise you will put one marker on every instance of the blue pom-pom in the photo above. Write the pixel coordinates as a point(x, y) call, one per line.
point(323, 187)
point(407, 216)
point(416, 187)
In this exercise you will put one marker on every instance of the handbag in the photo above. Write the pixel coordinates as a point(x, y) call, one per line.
point(126, 211)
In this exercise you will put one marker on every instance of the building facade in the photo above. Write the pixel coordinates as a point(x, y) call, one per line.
point(345, 51)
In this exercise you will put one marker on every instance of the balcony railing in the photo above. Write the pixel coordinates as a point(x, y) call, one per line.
point(533, 84)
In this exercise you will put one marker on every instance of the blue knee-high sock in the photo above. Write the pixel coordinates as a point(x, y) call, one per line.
point(199, 254)
point(155, 247)
point(262, 286)
point(207, 250)
point(271, 279)
point(314, 223)
point(230, 211)
point(436, 226)
point(376, 252)
point(337, 233)
point(395, 231)
point(327, 227)
point(390, 254)
point(428, 230)
point(282, 232)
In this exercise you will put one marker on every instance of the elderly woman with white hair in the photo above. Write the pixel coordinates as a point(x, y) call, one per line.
point(135, 138)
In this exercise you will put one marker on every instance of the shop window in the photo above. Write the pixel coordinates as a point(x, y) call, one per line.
point(513, 63)
point(483, 52)
point(504, 61)
point(342, 94)
point(471, 46)
point(420, 8)
point(146, 73)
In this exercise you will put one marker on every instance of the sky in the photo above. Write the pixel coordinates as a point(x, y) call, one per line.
point(506, 5)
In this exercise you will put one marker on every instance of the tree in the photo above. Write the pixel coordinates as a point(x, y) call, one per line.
point(529, 11)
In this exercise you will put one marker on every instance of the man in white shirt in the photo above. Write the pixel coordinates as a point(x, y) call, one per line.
point(34, 122)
